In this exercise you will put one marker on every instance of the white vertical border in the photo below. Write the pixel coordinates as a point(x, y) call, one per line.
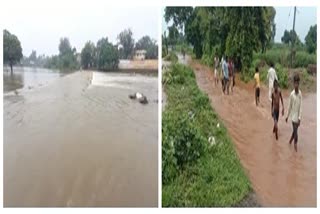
point(160, 106)
point(318, 129)
point(1, 103)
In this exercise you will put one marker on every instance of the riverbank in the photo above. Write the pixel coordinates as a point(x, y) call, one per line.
point(279, 175)
point(76, 143)
point(199, 165)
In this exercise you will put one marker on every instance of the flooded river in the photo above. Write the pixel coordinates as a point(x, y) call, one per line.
point(80, 141)
point(27, 78)
point(280, 176)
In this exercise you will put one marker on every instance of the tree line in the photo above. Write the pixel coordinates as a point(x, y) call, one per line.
point(237, 32)
point(291, 37)
point(95, 56)
point(102, 56)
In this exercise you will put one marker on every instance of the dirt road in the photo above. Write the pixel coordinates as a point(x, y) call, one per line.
point(280, 176)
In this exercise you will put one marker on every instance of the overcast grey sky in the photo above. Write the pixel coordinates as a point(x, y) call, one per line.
point(40, 26)
point(305, 17)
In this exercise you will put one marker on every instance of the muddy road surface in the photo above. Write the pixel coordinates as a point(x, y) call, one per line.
point(280, 176)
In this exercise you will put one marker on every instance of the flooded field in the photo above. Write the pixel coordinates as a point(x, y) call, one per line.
point(80, 141)
point(280, 176)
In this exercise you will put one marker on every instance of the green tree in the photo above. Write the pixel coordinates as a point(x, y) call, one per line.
point(107, 55)
point(88, 55)
point(192, 30)
point(289, 37)
point(179, 15)
point(232, 31)
point(33, 56)
point(52, 62)
point(244, 35)
point(12, 51)
point(173, 35)
point(311, 39)
point(164, 44)
point(286, 38)
point(67, 55)
point(148, 44)
point(267, 27)
point(64, 46)
point(126, 41)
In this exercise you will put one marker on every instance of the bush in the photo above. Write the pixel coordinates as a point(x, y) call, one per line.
point(303, 59)
point(305, 76)
point(282, 74)
point(263, 74)
point(177, 74)
point(164, 51)
point(172, 57)
point(207, 59)
point(188, 143)
point(312, 69)
point(282, 55)
point(169, 162)
point(196, 171)
point(274, 56)
point(183, 142)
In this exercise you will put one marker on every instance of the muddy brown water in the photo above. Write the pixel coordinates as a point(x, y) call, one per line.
point(27, 78)
point(279, 175)
point(80, 141)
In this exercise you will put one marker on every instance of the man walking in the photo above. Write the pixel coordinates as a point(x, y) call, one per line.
point(225, 75)
point(272, 75)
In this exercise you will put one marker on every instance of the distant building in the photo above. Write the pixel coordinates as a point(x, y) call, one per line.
point(140, 55)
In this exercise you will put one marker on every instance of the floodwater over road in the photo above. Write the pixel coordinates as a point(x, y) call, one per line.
point(280, 176)
point(27, 78)
point(80, 141)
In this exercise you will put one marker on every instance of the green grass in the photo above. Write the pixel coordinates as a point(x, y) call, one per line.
point(282, 55)
point(196, 173)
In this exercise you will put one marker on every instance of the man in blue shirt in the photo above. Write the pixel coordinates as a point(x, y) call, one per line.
point(225, 75)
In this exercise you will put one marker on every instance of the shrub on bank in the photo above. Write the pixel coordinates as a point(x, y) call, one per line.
point(303, 59)
point(164, 51)
point(178, 74)
point(207, 59)
point(183, 148)
point(283, 57)
point(199, 163)
point(172, 57)
point(282, 74)
point(281, 71)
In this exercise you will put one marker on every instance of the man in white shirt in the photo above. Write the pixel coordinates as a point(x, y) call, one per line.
point(272, 75)
point(294, 110)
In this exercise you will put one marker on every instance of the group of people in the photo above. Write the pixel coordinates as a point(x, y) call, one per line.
point(226, 74)
point(224, 71)
point(275, 96)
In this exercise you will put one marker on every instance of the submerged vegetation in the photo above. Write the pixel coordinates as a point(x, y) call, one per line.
point(199, 164)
